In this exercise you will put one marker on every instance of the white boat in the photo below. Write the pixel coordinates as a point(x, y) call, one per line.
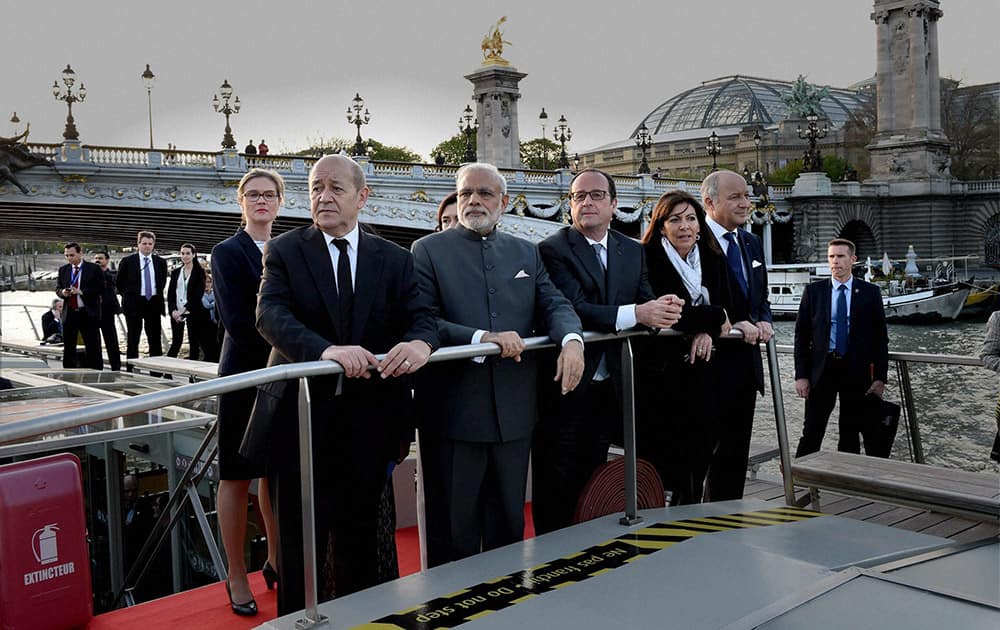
point(933, 304)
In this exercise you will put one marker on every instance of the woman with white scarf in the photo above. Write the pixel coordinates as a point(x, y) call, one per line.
point(677, 430)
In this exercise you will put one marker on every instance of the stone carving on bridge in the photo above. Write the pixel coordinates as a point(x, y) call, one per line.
point(15, 156)
point(804, 99)
point(493, 45)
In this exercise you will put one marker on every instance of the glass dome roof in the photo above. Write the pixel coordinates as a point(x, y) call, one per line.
point(739, 100)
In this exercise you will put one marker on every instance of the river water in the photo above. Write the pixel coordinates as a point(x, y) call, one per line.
point(954, 404)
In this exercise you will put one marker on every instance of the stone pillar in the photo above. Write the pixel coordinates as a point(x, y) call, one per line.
point(910, 151)
point(496, 94)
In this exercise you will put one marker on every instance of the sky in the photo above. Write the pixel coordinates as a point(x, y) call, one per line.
point(296, 65)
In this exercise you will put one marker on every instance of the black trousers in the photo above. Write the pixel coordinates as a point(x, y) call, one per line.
point(474, 495)
point(567, 447)
point(79, 321)
point(146, 316)
point(109, 330)
point(348, 482)
point(177, 338)
point(727, 471)
point(836, 380)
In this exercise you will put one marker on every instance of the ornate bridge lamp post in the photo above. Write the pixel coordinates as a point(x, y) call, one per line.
point(562, 134)
point(813, 163)
point(468, 126)
point(714, 149)
point(147, 78)
point(544, 118)
point(357, 118)
point(756, 145)
point(221, 104)
point(642, 140)
point(69, 78)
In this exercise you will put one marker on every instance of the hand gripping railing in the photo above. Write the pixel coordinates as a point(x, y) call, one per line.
point(303, 371)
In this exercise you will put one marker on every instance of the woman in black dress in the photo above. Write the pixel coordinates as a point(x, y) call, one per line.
point(676, 430)
point(236, 271)
point(184, 293)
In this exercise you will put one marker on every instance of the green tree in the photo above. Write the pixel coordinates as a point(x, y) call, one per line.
point(324, 146)
point(833, 166)
point(390, 153)
point(540, 153)
point(971, 121)
point(386, 152)
point(453, 149)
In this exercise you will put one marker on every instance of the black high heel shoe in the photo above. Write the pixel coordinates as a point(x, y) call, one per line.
point(270, 576)
point(247, 609)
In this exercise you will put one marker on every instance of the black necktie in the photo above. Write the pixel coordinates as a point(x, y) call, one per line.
point(345, 290)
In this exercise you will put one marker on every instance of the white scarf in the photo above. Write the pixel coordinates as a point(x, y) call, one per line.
point(689, 270)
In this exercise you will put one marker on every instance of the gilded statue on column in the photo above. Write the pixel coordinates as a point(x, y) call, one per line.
point(493, 45)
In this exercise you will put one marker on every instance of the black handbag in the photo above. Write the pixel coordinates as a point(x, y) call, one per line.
point(879, 424)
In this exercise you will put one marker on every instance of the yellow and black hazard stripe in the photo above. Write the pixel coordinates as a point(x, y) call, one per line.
point(488, 597)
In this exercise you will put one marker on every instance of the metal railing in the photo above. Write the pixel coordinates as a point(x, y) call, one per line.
point(42, 425)
point(903, 383)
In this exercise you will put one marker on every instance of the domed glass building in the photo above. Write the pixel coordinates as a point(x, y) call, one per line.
point(737, 109)
point(739, 100)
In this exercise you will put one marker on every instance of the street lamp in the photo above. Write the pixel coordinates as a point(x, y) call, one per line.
point(14, 122)
point(543, 118)
point(357, 118)
point(642, 140)
point(220, 102)
point(756, 144)
point(147, 78)
point(468, 126)
point(562, 134)
point(714, 149)
point(69, 78)
point(576, 162)
point(812, 162)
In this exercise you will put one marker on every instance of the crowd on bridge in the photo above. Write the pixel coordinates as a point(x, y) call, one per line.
point(337, 291)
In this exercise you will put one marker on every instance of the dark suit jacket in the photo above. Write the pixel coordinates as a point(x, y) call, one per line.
point(50, 325)
point(109, 299)
point(867, 338)
point(755, 308)
point(91, 284)
point(664, 279)
point(297, 315)
point(575, 270)
point(237, 265)
point(129, 283)
point(195, 288)
point(495, 284)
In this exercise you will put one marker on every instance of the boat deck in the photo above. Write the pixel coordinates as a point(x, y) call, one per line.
point(912, 519)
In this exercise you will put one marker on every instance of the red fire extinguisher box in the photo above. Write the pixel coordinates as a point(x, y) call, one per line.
point(44, 562)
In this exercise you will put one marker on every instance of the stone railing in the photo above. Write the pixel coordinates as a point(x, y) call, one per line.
point(191, 159)
point(986, 185)
point(50, 151)
point(280, 163)
point(118, 156)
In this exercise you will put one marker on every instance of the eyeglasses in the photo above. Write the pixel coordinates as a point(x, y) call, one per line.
point(253, 195)
point(581, 195)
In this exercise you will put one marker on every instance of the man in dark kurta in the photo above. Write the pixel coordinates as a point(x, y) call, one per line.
point(476, 415)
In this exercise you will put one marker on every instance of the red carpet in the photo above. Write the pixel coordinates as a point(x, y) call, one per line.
point(208, 607)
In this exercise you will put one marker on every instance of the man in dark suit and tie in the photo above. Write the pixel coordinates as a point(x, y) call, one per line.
point(603, 273)
point(52, 321)
point(141, 279)
point(727, 203)
point(109, 310)
point(476, 416)
point(80, 285)
point(333, 292)
point(841, 349)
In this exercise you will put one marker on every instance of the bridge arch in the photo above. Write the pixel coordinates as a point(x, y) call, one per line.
point(859, 233)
